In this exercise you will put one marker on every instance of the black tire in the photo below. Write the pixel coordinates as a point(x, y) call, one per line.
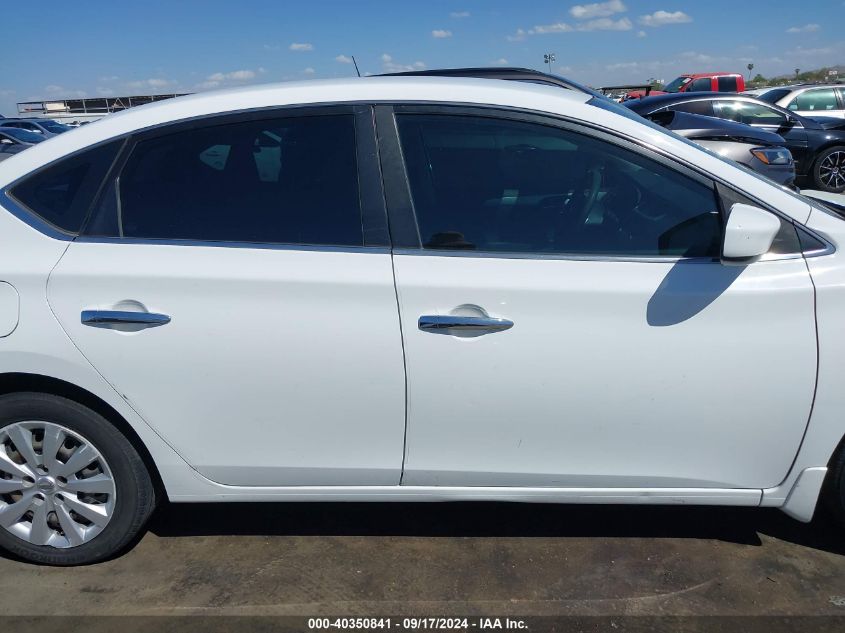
point(833, 491)
point(817, 176)
point(135, 493)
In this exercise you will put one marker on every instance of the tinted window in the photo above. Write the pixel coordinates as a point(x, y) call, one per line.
point(701, 85)
point(506, 186)
point(286, 180)
point(749, 113)
point(820, 100)
point(727, 84)
point(63, 193)
point(695, 107)
point(773, 96)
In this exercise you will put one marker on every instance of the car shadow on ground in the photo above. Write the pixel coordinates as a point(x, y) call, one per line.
point(483, 519)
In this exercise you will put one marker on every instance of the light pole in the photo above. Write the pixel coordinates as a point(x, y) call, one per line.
point(548, 58)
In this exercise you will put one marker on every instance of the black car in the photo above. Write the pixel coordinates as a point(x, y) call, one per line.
point(817, 144)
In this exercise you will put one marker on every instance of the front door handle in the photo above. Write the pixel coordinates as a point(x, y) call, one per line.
point(123, 317)
point(436, 323)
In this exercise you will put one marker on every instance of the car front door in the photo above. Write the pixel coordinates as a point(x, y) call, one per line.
point(235, 286)
point(567, 321)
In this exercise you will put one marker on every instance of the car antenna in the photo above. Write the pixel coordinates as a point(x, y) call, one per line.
point(356, 66)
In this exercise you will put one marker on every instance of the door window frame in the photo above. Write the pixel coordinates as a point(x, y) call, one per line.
point(371, 201)
point(404, 229)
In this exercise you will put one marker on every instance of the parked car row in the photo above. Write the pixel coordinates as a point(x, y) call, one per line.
point(816, 144)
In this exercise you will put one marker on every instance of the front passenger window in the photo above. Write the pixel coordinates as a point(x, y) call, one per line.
point(500, 185)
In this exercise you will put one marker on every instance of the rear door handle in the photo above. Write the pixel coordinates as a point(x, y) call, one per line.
point(435, 323)
point(123, 317)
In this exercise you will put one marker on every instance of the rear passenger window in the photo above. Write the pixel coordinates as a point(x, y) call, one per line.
point(727, 84)
point(820, 100)
point(499, 185)
point(290, 180)
point(695, 107)
point(62, 193)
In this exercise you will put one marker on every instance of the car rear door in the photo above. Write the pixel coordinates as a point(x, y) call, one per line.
point(235, 286)
point(567, 321)
point(823, 102)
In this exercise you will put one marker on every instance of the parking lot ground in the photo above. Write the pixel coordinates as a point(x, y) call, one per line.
point(454, 558)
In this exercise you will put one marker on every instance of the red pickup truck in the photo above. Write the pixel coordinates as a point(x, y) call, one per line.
point(698, 82)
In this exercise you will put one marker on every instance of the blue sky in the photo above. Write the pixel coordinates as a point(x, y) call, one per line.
point(67, 49)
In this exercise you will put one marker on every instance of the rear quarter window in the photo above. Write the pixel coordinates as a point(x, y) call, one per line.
point(62, 193)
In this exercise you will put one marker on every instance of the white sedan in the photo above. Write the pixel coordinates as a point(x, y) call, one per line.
point(404, 289)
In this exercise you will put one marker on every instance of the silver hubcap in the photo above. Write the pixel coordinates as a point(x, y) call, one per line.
point(832, 170)
point(56, 488)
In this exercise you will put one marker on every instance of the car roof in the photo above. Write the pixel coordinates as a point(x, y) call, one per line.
point(702, 75)
point(513, 73)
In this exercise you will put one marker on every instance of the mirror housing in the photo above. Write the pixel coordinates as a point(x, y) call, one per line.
point(749, 233)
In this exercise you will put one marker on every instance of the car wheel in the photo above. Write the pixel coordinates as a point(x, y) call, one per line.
point(73, 489)
point(829, 170)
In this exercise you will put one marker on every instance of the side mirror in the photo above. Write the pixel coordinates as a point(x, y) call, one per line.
point(749, 233)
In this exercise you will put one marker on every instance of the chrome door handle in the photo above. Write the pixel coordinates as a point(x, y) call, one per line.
point(435, 323)
point(123, 317)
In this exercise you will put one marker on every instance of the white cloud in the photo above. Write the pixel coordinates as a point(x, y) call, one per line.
point(642, 34)
point(501, 62)
point(701, 58)
point(300, 47)
point(662, 18)
point(108, 78)
point(343, 59)
point(599, 24)
point(440, 34)
point(58, 91)
point(309, 71)
point(459, 14)
point(606, 24)
point(104, 91)
point(207, 85)
point(241, 75)
point(390, 66)
point(156, 83)
point(807, 28)
point(544, 29)
point(623, 66)
point(597, 10)
point(235, 75)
